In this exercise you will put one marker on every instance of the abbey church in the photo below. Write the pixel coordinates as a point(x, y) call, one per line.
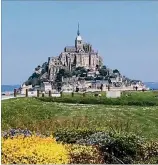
point(80, 55)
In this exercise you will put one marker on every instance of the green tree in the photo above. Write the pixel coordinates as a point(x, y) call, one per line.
point(58, 78)
point(81, 71)
point(63, 73)
point(28, 82)
point(35, 75)
point(74, 73)
point(116, 71)
point(43, 71)
point(35, 81)
point(30, 78)
point(67, 74)
point(104, 67)
point(79, 68)
point(103, 72)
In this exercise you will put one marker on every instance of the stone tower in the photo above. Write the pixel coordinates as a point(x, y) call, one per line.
point(81, 54)
point(78, 41)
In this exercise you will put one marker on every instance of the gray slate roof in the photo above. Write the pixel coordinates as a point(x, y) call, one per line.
point(70, 48)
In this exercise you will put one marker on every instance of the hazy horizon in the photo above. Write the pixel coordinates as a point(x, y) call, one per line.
point(20, 84)
point(124, 33)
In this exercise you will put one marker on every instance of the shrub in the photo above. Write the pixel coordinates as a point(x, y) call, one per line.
point(148, 153)
point(16, 132)
point(131, 100)
point(72, 136)
point(116, 148)
point(33, 150)
point(85, 154)
point(23, 146)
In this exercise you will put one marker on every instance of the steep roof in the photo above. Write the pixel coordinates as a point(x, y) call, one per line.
point(70, 48)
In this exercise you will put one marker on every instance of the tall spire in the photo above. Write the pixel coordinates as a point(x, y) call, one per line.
point(78, 31)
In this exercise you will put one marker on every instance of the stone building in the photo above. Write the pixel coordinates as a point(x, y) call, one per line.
point(54, 65)
point(79, 55)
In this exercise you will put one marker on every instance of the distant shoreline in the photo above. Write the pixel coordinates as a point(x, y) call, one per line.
point(10, 88)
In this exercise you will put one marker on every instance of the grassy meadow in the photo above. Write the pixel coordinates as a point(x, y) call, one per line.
point(49, 116)
point(93, 130)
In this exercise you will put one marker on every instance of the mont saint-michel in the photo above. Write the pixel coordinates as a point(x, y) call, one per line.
point(79, 67)
point(79, 55)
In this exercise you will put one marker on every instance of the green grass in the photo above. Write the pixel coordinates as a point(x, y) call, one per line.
point(45, 117)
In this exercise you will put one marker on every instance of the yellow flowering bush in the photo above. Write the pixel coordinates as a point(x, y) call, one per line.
point(33, 150)
point(84, 154)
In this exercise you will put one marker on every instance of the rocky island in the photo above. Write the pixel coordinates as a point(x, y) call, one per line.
point(80, 68)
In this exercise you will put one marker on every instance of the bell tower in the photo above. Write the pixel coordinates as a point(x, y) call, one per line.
point(78, 41)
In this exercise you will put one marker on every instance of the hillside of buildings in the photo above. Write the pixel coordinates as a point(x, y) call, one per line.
point(76, 65)
point(103, 74)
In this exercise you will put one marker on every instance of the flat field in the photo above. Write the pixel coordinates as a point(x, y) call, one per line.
point(37, 115)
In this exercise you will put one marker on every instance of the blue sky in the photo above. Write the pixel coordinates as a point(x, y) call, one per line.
point(124, 33)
